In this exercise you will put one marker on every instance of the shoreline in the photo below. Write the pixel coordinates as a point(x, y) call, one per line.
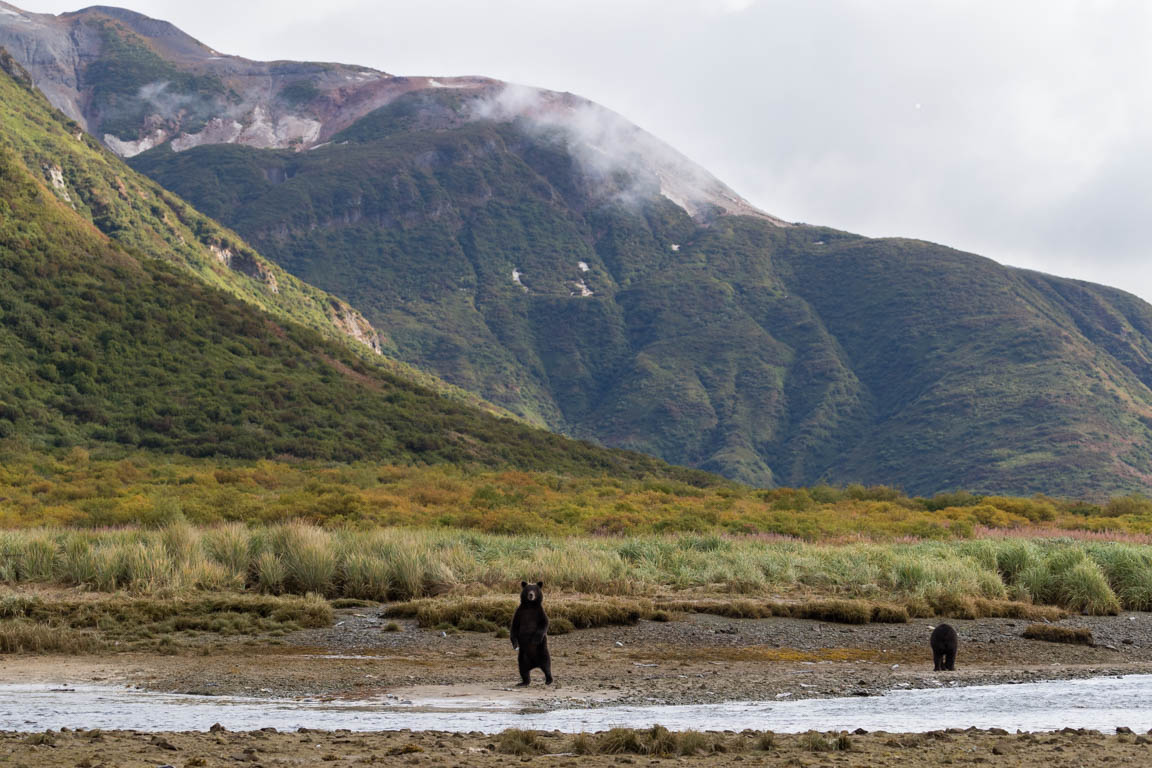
point(695, 660)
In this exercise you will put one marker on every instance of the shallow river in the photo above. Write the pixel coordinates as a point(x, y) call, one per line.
point(1100, 703)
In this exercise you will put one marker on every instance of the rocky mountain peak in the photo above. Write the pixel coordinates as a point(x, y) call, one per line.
point(137, 83)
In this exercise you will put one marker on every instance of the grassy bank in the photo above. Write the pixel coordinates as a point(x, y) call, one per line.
point(401, 564)
point(49, 622)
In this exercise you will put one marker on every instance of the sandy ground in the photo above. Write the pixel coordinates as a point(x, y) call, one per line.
point(126, 749)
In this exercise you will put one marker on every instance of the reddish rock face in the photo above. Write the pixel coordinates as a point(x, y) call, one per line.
point(185, 94)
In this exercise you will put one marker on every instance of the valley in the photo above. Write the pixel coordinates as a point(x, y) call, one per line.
point(307, 369)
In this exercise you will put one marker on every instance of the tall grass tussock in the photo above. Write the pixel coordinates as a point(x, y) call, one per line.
point(641, 575)
point(1056, 634)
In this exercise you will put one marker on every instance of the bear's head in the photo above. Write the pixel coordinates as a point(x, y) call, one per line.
point(531, 594)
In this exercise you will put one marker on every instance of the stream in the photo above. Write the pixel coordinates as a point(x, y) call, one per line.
point(1098, 703)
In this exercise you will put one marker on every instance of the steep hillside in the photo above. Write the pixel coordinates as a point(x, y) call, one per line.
point(539, 250)
point(143, 216)
point(101, 346)
point(773, 354)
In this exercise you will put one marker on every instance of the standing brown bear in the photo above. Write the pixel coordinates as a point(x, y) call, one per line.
point(530, 633)
point(944, 642)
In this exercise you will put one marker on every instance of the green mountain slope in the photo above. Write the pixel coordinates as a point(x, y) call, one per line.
point(143, 216)
point(539, 250)
point(104, 346)
point(775, 355)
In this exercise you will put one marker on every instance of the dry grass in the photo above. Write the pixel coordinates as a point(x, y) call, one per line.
point(813, 741)
point(489, 613)
point(1055, 634)
point(656, 741)
point(515, 741)
point(35, 637)
point(31, 621)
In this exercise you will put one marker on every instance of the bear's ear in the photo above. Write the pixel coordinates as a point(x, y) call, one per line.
point(523, 584)
point(540, 584)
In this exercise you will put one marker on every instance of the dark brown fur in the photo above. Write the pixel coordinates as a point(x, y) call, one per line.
point(529, 633)
point(944, 642)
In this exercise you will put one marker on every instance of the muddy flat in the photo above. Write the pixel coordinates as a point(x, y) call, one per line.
point(699, 659)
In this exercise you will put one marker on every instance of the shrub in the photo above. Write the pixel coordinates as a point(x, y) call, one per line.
point(27, 637)
point(515, 741)
point(814, 741)
point(842, 611)
point(1129, 573)
point(1067, 577)
point(559, 626)
point(271, 573)
point(583, 744)
point(884, 613)
point(1135, 504)
point(619, 741)
point(37, 559)
point(1055, 634)
point(229, 545)
point(365, 577)
point(309, 561)
point(662, 742)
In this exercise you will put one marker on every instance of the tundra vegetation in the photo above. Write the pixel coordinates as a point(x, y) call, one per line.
point(447, 546)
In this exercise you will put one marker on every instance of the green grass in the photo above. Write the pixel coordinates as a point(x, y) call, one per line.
point(465, 579)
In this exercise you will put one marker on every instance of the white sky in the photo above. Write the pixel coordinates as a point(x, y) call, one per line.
point(1018, 130)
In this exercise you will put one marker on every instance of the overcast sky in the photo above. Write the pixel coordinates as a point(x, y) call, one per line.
point(1018, 130)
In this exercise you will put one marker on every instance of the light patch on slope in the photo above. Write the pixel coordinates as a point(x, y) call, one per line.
point(56, 176)
point(584, 266)
point(516, 279)
point(433, 83)
point(223, 255)
point(260, 132)
point(675, 247)
point(583, 289)
point(133, 148)
point(217, 131)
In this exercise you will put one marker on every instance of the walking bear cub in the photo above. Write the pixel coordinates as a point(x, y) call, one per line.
point(944, 642)
point(530, 633)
